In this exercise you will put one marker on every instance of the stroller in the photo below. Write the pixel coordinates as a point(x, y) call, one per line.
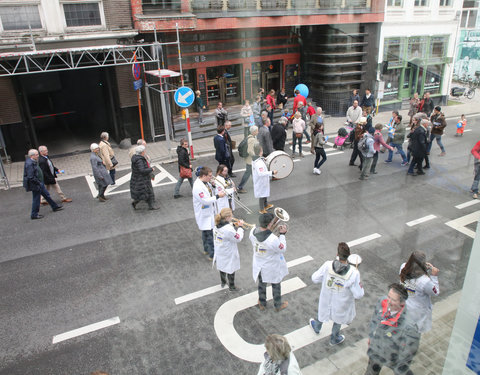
point(344, 137)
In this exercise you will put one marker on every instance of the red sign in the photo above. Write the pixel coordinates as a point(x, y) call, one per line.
point(136, 71)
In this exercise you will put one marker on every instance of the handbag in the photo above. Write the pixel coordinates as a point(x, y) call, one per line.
point(114, 161)
point(298, 135)
point(185, 172)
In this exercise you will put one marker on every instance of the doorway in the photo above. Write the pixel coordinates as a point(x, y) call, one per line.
point(266, 75)
point(224, 85)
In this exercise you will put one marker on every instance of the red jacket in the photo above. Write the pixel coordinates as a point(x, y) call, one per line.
point(476, 150)
point(298, 98)
point(311, 111)
point(271, 101)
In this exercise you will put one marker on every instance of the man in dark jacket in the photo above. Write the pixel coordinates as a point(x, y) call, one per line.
point(418, 147)
point(33, 181)
point(427, 106)
point(49, 175)
point(279, 134)
point(438, 124)
point(393, 337)
point(229, 143)
point(221, 150)
point(368, 102)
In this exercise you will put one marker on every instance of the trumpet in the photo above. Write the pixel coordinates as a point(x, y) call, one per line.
point(281, 217)
point(245, 225)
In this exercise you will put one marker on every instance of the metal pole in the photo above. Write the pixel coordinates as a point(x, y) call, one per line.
point(179, 55)
point(165, 117)
point(187, 116)
point(140, 113)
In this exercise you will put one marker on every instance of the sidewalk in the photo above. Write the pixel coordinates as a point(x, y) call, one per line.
point(79, 165)
point(352, 360)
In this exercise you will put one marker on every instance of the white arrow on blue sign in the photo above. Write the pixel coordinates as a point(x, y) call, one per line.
point(184, 97)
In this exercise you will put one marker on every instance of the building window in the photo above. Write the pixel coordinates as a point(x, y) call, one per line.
point(438, 46)
point(391, 79)
point(393, 51)
point(433, 79)
point(416, 48)
point(395, 3)
point(20, 17)
point(82, 14)
point(445, 3)
point(469, 19)
point(421, 3)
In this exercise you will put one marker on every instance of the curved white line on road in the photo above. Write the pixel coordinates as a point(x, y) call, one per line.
point(242, 349)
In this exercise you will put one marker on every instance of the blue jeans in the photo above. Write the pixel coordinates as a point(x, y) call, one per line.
point(306, 134)
point(438, 138)
point(179, 183)
point(112, 175)
point(400, 151)
point(36, 200)
point(319, 152)
point(207, 238)
point(317, 326)
point(476, 179)
point(246, 176)
point(295, 140)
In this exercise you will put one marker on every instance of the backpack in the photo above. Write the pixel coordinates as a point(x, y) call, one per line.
point(243, 148)
point(362, 145)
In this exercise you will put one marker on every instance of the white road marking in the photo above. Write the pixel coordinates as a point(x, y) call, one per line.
point(467, 130)
point(298, 261)
point(84, 330)
point(112, 189)
point(218, 288)
point(421, 220)
point(235, 344)
point(467, 204)
point(359, 241)
point(461, 223)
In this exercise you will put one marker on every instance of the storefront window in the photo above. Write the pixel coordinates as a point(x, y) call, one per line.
point(438, 46)
point(433, 79)
point(416, 47)
point(391, 79)
point(393, 51)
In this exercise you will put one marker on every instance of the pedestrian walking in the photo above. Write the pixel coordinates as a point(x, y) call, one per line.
point(50, 173)
point(272, 104)
point(418, 145)
point(414, 104)
point(100, 173)
point(200, 106)
point(298, 125)
point(461, 126)
point(354, 97)
point(358, 134)
point(368, 102)
point(184, 167)
point(264, 136)
point(366, 148)
point(378, 142)
point(251, 141)
point(282, 98)
point(246, 112)
point(269, 264)
point(476, 170)
point(33, 181)
point(230, 147)
point(141, 188)
point(279, 134)
point(426, 105)
point(438, 125)
point(279, 358)
point(222, 154)
point(303, 111)
point(107, 155)
point(397, 135)
point(221, 114)
point(341, 286)
point(393, 337)
point(319, 141)
point(225, 240)
point(420, 278)
point(314, 119)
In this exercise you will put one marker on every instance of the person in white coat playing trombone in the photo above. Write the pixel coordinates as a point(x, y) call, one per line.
point(340, 287)
point(204, 199)
point(225, 240)
point(269, 264)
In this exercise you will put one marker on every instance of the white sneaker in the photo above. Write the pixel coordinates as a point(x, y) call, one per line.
point(319, 171)
point(314, 170)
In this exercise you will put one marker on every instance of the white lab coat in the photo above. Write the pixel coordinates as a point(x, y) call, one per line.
point(225, 241)
point(419, 304)
point(338, 294)
point(203, 205)
point(268, 258)
point(228, 188)
point(261, 178)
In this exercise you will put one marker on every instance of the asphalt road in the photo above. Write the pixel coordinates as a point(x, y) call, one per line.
point(96, 261)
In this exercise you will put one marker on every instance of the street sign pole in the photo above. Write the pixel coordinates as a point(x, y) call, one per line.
point(136, 71)
point(189, 132)
point(184, 98)
point(140, 113)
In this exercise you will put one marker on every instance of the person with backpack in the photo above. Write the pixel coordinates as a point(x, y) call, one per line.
point(398, 137)
point(365, 146)
point(245, 150)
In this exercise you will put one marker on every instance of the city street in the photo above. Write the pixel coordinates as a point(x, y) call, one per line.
point(132, 273)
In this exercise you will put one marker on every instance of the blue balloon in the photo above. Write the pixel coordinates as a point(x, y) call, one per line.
point(303, 89)
point(459, 125)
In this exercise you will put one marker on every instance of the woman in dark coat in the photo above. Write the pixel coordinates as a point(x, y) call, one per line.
point(100, 173)
point(183, 161)
point(141, 188)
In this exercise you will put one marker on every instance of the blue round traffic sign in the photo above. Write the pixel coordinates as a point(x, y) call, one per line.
point(136, 71)
point(184, 97)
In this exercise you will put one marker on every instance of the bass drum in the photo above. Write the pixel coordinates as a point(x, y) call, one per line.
point(281, 162)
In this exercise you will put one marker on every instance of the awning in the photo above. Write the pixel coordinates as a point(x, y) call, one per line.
point(163, 73)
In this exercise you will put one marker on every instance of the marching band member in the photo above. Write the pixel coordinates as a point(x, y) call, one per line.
point(223, 182)
point(420, 287)
point(340, 287)
point(204, 198)
point(269, 264)
point(225, 241)
point(261, 179)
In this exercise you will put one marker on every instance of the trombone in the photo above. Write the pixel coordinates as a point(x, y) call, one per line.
point(245, 225)
point(234, 197)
